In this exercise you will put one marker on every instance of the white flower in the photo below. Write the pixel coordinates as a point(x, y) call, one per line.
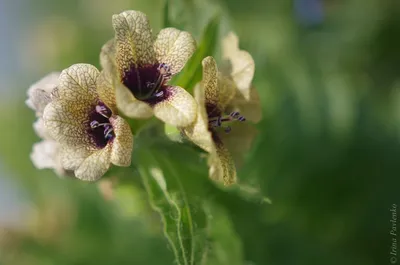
point(46, 153)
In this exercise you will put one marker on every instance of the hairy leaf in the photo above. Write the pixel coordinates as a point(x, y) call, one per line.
point(165, 178)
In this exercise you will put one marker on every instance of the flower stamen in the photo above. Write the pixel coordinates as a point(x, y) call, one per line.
point(216, 122)
point(164, 70)
point(108, 132)
point(100, 127)
point(164, 75)
point(103, 111)
point(94, 124)
point(147, 81)
point(108, 129)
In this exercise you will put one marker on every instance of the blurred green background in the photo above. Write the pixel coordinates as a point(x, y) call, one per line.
point(327, 155)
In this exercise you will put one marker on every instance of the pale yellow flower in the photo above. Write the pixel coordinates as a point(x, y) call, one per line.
point(142, 66)
point(239, 66)
point(82, 117)
point(226, 104)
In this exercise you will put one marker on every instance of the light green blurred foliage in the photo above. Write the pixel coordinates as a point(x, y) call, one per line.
point(327, 153)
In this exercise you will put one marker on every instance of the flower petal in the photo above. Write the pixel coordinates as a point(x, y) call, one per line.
point(65, 121)
point(178, 109)
point(123, 143)
point(78, 83)
point(133, 40)
point(239, 141)
point(40, 129)
point(106, 91)
point(222, 167)
point(66, 117)
point(130, 106)
point(210, 81)
point(218, 90)
point(39, 93)
point(72, 157)
point(95, 166)
point(241, 64)
point(249, 108)
point(107, 57)
point(226, 91)
point(45, 154)
point(198, 132)
point(174, 48)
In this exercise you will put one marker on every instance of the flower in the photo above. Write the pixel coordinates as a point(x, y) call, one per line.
point(222, 102)
point(82, 117)
point(45, 154)
point(141, 67)
point(239, 66)
point(39, 93)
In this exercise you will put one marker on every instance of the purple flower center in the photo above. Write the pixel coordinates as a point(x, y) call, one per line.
point(148, 82)
point(99, 126)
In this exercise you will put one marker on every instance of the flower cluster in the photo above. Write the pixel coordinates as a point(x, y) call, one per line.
point(78, 109)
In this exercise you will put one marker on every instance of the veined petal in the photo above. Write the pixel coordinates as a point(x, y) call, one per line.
point(218, 90)
point(106, 91)
point(174, 48)
point(222, 167)
point(65, 121)
point(133, 41)
point(241, 64)
point(107, 57)
point(39, 93)
point(123, 143)
point(130, 106)
point(72, 157)
point(78, 83)
point(95, 166)
point(210, 81)
point(178, 108)
point(198, 132)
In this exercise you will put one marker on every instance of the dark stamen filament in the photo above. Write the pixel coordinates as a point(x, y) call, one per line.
point(163, 75)
point(216, 122)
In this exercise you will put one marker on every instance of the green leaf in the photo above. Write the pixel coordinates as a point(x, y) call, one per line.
point(176, 180)
point(167, 22)
point(225, 244)
point(248, 217)
point(169, 184)
point(173, 133)
point(192, 73)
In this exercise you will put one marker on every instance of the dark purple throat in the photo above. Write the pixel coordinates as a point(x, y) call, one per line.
point(147, 82)
point(99, 127)
point(212, 110)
